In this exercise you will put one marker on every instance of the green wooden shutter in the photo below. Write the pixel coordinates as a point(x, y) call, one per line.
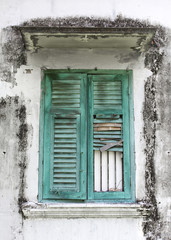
point(109, 124)
point(65, 136)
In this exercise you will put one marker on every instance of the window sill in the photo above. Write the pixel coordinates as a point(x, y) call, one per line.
point(86, 210)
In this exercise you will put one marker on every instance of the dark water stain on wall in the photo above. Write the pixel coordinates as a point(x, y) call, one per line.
point(14, 130)
point(22, 136)
point(153, 61)
point(13, 54)
point(119, 22)
point(23, 128)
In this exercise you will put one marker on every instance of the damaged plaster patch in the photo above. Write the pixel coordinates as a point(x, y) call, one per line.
point(153, 61)
point(13, 54)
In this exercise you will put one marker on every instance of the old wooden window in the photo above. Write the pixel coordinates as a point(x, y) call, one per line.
point(86, 136)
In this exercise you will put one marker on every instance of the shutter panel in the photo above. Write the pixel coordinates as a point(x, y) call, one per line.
point(108, 95)
point(64, 119)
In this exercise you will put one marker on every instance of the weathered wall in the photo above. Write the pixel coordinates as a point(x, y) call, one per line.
point(20, 77)
point(163, 140)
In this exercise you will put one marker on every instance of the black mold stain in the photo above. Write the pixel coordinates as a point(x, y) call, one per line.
point(152, 225)
point(21, 113)
point(22, 135)
point(153, 61)
point(3, 103)
point(7, 101)
point(119, 22)
point(19, 120)
point(13, 48)
point(21, 198)
point(22, 146)
point(23, 128)
point(12, 106)
point(13, 52)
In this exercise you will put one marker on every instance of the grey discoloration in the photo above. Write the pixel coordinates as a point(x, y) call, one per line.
point(3, 103)
point(22, 146)
point(163, 140)
point(119, 22)
point(127, 58)
point(13, 122)
point(152, 225)
point(13, 53)
point(153, 61)
point(154, 56)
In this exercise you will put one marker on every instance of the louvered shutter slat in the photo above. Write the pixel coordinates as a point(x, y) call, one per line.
point(66, 93)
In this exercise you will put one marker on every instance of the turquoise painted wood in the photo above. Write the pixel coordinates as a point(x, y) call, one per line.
point(113, 92)
point(72, 101)
point(64, 169)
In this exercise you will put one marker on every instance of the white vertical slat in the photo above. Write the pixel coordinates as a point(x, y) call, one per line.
point(111, 175)
point(119, 170)
point(104, 171)
point(96, 170)
point(111, 171)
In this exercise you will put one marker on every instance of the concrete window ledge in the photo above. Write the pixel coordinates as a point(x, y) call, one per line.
point(87, 210)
